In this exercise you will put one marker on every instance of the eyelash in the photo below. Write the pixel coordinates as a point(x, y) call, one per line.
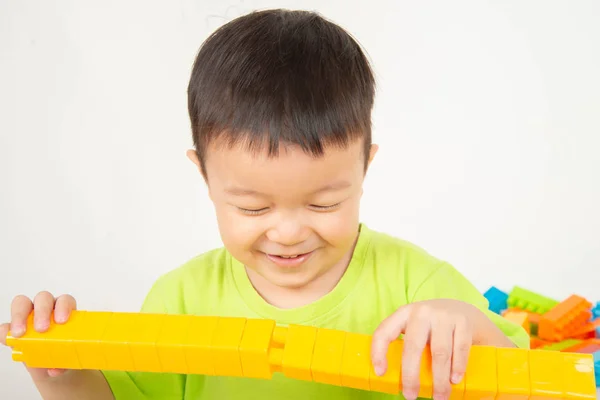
point(259, 211)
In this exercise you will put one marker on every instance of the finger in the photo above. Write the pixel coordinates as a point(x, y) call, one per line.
point(463, 339)
point(63, 307)
point(415, 339)
point(386, 332)
point(441, 357)
point(4, 328)
point(43, 304)
point(19, 312)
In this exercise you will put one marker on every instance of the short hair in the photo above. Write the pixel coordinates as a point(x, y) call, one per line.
point(280, 77)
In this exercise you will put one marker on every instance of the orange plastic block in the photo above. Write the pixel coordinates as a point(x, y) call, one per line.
point(536, 342)
point(513, 374)
point(481, 377)
point(356, 361)
point(390, 381)
point(298, 352)
point(327, 356)
point(587, 331)
point(520, 318)
point(534, 318)
point(565, 318)
point(254, 348)
point(587, 346)
point(225, 346)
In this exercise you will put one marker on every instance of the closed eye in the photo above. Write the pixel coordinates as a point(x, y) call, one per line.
point(248, 211)
point(325, 208)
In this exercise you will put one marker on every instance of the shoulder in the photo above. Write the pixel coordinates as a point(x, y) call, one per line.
point(385, 249)
point(199, 277)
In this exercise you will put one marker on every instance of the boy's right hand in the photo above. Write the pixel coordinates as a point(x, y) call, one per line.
point(44, 306)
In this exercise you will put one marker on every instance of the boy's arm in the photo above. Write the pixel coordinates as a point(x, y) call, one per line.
point(73, 385)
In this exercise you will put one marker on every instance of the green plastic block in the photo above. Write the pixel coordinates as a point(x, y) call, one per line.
point(530, 301)
point(562, 345)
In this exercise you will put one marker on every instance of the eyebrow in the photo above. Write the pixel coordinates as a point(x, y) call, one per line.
point(332, 187)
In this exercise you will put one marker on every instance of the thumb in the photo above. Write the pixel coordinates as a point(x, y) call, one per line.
point(4, 328)
point(387, 332)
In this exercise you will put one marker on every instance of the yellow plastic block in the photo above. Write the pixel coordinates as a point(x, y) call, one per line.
point(143, 342)
point(513, 374)
point(115, 342)
point(88, 333)
point(390, 381)
point(170, 343)
point(546, 372)
point(356, 361)
point(426, 375)
point(254, 348)
point(579, 376)
point(458, 390)
point(298, 352)
point(520, 318)
point(198, 352)
point(327, 357)
point(481, 377)
point(226, 346)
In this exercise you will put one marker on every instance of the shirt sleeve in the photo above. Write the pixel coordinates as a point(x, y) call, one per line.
point(444, 281)
point(145, 385)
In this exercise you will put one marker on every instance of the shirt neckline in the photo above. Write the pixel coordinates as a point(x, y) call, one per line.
point(316, 311)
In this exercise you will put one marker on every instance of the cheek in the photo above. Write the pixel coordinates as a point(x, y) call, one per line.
point(339, 228)
point(238, 232)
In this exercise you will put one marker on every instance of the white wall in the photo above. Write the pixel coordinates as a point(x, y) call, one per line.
point(487, 114)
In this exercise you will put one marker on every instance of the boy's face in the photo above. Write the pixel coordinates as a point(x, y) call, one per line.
point(289, 218)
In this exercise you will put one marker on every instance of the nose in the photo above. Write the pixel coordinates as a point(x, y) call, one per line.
point(288, 230)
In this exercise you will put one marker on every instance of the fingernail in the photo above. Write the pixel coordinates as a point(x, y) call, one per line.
point(456, 378)
point(60, 318)
point(410, 395)
point(379, 369)
point(18, 330)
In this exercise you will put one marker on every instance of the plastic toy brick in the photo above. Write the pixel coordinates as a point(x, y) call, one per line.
point(530, 301)
point(565, 318)
point(587, 331)
point(535, 342)
point(559, 346)
point(256, 348)
point(587, 346)
point(496, 299)
point(596, 310)
point(520, 318)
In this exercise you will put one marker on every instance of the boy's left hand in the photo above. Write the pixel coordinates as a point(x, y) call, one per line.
point(449, 326)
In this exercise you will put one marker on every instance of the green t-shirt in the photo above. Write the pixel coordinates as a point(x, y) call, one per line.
point(384, 274)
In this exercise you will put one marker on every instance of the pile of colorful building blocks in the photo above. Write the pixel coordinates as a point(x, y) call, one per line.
point(571, 325)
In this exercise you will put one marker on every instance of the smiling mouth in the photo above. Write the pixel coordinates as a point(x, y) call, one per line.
point(289, 260)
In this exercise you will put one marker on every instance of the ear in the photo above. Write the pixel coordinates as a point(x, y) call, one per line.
point(193, 156)
point(372, 152)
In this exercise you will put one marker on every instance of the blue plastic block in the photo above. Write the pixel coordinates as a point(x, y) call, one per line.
point(596, 310)
point(497, 299)
point(598, 332)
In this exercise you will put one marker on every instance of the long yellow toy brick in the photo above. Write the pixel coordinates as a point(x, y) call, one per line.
point(257, 348)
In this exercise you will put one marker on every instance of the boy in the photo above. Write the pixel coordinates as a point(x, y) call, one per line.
point(280, 105)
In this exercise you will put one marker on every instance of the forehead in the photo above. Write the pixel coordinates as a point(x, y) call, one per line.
point(291, 170)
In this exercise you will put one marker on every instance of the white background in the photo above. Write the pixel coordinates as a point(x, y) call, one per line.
point(488, 117)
